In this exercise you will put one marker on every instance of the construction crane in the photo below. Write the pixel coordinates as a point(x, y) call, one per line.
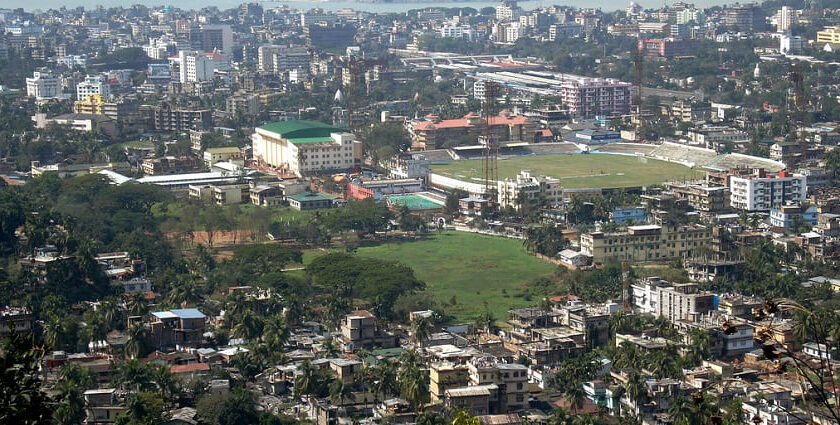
point(625, 287)
point(638, 81)
point(799, 105)
point(489, 165)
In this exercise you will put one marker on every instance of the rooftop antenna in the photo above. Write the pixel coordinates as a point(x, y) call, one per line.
point(490, 165)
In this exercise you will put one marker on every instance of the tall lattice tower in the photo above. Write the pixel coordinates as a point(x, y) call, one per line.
point(489, 164)
point(799, 109)
point(638, 81)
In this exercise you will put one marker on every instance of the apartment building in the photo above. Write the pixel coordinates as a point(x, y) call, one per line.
point(193, 66)
point(703, 198)
point(828, 35)
point(172, 118)
point(510, 380)
point(528, 188)
point(762, 192)
point(667, 47)
point(587, 97)
point(176, 327)
point(93, 85)
point(278, 59)
point(645, 243)
point(42, 85)
point(359, 330)
point(170, 165)
point(96, 104)
point(302, 147)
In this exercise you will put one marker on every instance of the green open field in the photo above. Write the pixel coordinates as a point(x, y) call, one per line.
point(473, 268)
point(579, 171)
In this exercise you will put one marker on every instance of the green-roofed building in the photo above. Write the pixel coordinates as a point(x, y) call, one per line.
point(306, 147)
point(309, 201)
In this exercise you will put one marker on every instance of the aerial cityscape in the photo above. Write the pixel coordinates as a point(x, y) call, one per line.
point(419, 212)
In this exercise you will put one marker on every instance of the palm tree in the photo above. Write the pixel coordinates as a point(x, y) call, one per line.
point(573, 391)
point(276, 333)
point(137, 305)
point(138, 337)
point(306, 379)
point(414, 387)
point(682, 411)
point(339, 391)
point(248, 326)
point(635, 390)
point(134, 375)
point(165, 381)
point(184, 292)
point(70, 404)
point(420, 330)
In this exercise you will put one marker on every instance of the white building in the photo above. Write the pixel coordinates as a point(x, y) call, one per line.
point(452, 31)
point(785, 18)
point(679, 301)
point(93, 84)
point(509, 11)
point(791, 43)
point(531, 187)
point(193, 66)
point(761, 192)
point(302, 147)
point(43, 85)
point(278, 59)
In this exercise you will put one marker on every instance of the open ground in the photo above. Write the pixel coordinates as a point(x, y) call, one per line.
point(578, 170)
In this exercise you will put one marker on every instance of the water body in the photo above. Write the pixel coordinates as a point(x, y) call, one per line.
point(606, 5)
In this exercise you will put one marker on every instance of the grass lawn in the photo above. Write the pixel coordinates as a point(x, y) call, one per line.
point(579, 171)
point(472, 268)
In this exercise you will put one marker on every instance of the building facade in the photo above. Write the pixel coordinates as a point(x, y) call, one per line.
point(302, 147)
point(762, 192)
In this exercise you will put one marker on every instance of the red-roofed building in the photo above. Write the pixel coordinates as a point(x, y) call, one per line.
point(190, 369)
point(433, 133)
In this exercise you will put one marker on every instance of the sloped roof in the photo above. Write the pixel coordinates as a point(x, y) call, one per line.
point(303, 131)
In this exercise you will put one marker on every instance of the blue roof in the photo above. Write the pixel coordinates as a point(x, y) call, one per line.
point(188, 313)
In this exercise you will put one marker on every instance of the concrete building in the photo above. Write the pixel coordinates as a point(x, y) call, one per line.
point(762, 192)
point(93, 85)
point(277, 59)
point(359, 330)
point(302, 147)
point(305, 201)
point(786, 18)
point(667, 47)
point(182, 327)
point(432, 133)
point(645, 243)
point(830, 35)
point(214, 155)
point(679, 301)
point(704, 198)
point(172, 118)
point(528, 188)
point(194, 66)
point(788, 216)
point(743, 17)
point(43, 86)
point(98, 105)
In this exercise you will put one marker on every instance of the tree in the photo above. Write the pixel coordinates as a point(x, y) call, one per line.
point(137, 344)
point(142, 408)
point(339, 391)
point(384, 140)
point(420, 329)
point(453, 198)
point(21, 394)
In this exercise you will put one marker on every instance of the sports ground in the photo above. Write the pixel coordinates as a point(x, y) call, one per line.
point(469, 269)
point(578, 171)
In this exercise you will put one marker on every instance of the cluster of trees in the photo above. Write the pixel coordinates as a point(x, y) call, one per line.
point(377, 282)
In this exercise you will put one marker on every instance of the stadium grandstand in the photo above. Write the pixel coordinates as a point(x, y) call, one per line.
point(736, 160)
point(627, 148)
point(689, 156)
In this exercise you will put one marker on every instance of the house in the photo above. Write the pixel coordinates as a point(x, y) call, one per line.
point(359, 330)
point(17, 319)
point(309, 201)
point(628, 214)
point(574, 258)
point(102, 407)
point(176, 327)
point(214, 155)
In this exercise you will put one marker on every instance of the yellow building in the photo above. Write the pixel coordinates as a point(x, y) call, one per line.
point(645, 243)
point(829, 35)
point(97, 105)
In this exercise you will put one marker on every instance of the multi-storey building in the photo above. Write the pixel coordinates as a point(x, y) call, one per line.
point(278, 59)
point(43, 85)
point(667, 47)
point(432, 133)
point(679, 301)
point(183, 327)
point(194, 66)
point(93, 85)
point(529, 189)
point(98, 105)
point(302, 147)
point(743, 17)
point(785, 18)
point(511, 381)
point(704, 198)
point(508, 11)
point(169, 118)
point(828, 35)
point(209, 38)
point(645, 243)
point(761, 192)
point(359, 330)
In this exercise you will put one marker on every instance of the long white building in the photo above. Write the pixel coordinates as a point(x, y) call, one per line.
point(302, 147)
point(762, 192)
point(93, 85)
point(43, 85)
point(194, 66)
